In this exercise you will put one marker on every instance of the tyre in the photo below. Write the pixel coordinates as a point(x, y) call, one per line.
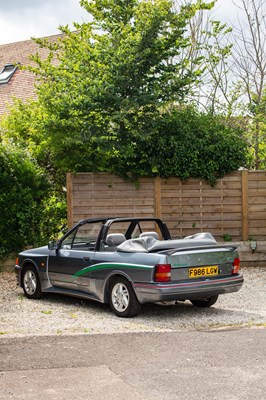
point(122, 298)
point(207, 302)
point(31, 283)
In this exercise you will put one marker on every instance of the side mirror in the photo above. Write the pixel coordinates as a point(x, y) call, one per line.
point(52, 245)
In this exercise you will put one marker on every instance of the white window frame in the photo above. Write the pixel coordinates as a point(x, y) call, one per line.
point(7, 73)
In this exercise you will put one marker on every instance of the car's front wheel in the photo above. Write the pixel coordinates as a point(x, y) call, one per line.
point(206, 302)
point(122, 298)
point(31, 283)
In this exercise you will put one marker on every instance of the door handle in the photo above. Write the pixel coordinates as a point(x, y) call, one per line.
point(86, 259)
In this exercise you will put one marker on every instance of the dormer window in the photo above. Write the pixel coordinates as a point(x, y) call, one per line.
point(7, 73)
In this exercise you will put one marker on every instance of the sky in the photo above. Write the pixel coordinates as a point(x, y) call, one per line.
point(23, 19)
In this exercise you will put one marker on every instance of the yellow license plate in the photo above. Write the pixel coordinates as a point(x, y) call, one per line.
point(203, 271)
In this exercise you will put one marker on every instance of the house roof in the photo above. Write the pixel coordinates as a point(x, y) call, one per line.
point(22, 83)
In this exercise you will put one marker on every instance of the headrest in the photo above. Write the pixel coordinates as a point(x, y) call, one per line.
point(114, 239)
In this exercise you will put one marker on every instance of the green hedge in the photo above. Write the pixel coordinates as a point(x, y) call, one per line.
point(26, 197)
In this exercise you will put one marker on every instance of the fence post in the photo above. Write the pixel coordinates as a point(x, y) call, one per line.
point(69, 182)
point(157, 197)
point(245, 230)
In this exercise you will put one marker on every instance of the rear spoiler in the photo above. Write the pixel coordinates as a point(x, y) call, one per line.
point(193, 248)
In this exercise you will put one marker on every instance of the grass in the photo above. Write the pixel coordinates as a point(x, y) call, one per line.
point(73, 315)
point(47, 312)
point(232, 326)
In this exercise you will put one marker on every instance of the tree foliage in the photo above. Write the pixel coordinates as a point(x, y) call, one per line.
point(25, 200)
point(238, 75)
point(106, 89)
point(112, 80)
point(186, 143)
point(250, 61)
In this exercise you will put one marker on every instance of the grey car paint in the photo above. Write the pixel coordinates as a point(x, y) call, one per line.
point(78, 269)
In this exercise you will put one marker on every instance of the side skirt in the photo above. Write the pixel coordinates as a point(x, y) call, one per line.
point(70, 292)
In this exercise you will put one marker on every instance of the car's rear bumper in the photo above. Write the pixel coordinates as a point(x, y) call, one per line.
point(153, 292)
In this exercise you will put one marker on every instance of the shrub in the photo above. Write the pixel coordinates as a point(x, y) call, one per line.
point(24, 201)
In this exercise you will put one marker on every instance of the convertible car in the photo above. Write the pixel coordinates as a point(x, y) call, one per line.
point(130, 261)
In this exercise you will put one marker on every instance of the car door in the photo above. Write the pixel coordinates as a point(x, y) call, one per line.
point(68, 266)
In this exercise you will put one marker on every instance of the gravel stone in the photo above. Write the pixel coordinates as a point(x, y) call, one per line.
point(61, 315)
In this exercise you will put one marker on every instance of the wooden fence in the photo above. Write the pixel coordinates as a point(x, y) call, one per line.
point(235, 208)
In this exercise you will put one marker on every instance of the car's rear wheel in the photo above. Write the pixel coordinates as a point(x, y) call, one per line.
point(206, 302)
point(31, 283)
point(122, 298)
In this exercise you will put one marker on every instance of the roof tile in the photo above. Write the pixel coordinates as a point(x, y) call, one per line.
point(21, 85)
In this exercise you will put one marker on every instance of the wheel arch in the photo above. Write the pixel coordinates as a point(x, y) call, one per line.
point(109, 280)
point(28, 263)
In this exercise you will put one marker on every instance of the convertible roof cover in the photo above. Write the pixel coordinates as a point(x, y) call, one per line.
point(148, 244)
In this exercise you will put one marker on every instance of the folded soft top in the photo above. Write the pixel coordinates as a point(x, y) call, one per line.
point(149, 243)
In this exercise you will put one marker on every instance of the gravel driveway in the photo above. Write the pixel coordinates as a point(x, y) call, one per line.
point(58, 315)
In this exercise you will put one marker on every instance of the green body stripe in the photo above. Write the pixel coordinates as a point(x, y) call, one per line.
point(180, 265)
point(98, 267)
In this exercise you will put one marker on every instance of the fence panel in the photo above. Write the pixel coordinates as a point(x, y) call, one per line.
point(101, 195)
point(257, 204)
point(235, 208)
point(193, 206)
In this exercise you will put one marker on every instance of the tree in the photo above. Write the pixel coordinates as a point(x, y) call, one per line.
point(107, 89)
point(250, 46)
point(235, 75)
point(250, 62)
point(112, 79)
point(210, 52)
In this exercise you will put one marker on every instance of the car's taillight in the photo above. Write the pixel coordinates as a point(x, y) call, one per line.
point(17, 261)
point(236, 266)
point(162, 273)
